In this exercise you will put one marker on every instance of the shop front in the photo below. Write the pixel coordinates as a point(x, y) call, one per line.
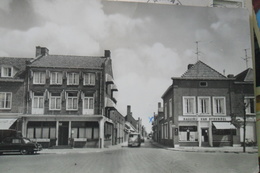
point(206, 131)
point(64, 131)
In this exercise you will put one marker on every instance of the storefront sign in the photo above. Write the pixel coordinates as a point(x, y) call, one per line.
point(181, 118)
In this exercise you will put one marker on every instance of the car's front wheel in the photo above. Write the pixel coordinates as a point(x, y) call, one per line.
point(24, 152)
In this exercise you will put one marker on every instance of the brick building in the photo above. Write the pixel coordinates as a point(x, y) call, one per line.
point(198, 107)
point(59, 100)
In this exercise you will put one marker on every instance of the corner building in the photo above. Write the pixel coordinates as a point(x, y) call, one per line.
point(199, 106)
point(68, 99)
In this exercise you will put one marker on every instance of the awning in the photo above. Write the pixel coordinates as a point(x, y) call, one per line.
point(6, 123)
point(224, 125)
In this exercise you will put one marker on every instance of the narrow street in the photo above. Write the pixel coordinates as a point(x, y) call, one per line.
point(147, 158)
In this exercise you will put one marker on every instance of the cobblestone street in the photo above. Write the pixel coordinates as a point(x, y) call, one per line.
point(147, 158)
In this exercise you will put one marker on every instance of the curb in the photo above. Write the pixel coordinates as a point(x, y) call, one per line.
point(202, 150)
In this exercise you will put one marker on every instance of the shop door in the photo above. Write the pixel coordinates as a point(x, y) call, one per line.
point(63, 133)
point(205, 137)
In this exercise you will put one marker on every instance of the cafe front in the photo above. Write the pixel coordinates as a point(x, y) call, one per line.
point(206, 131)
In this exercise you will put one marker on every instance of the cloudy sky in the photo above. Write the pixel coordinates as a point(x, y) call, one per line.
point(149, 42)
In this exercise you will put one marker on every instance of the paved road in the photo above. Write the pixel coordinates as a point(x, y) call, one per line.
point(147, 158)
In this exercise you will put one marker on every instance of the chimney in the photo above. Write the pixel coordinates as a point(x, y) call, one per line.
point(41, 51)
point(159, 105)
point(128, 110)
point(190, 65)
point(107, 53)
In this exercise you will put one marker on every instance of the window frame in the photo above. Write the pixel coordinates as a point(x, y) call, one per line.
point(165, 110)
point(89, 79)
point(72, 97)
point(6, 101)
point(249, 107)
point(184, 106)
point(41, 80)
point(74, 78)
point(57, 108)
point(200, 112)
point(3, 72)
point(214, 105)
point(57, 79)
point(170, 108)
point(38, 101)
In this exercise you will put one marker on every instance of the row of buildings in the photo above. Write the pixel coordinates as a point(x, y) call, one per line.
point(62, 100)
point(205, 108)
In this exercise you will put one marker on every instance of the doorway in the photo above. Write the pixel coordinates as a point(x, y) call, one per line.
point(63, 133)
point(204, 137)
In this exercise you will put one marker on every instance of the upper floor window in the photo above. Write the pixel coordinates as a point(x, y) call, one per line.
point(170, 108)
point(7, 72)
point(56, 78)
point(72, 78)
point(204, 105)
point(165, 110)
point(5, 100)
point(249, 105)
point(188, 105)
point(219, 106)
point(89, 79)
point(38, 100)
point(39, 77)
point(72, 101)
point(55, 101)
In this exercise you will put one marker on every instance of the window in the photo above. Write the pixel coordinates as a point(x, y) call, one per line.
point(38, 100)
point(55, 101)
point(170, 129)
point(72, 101)
point(219, 106)
point(88, 107)
point(39, 77)
point(72, 78)
point(56, 78)
point(7, 72)
point(166, 130)
point(170, 108)
point(165, 111)
point(203, 84)
point(204, 105)
point(5, 100)
point(188, 133)
point(189, 105)
point(249, 105)
point(89, 79)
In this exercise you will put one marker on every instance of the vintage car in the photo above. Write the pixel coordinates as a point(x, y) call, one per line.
point(19, 144)
point(134, 140)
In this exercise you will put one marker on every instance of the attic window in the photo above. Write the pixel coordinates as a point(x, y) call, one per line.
point(7, 72)
point(203, 84)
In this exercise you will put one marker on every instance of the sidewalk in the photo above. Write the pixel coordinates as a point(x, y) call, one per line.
point(82, 150)
point(225, 149)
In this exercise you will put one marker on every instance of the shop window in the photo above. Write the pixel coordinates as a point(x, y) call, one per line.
point(95, 133)
point(219, 106)
point(89, 133)
point(188, 133)
point(204, 105)
point(189, 105)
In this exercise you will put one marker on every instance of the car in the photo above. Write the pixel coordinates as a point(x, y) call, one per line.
point(19, 144)
point(134, 140)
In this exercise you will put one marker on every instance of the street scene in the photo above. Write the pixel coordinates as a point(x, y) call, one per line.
point(122, 159)
point(142, 86)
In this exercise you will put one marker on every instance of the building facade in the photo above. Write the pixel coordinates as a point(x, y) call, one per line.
point(60, 100)
point(199, 107)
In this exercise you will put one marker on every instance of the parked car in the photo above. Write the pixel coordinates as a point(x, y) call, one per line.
point(134, 139)
point(19, 144)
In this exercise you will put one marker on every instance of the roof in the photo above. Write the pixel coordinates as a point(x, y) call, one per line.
point(245, 76)
point(18, 63)
point(202, 71)
point(68, 61)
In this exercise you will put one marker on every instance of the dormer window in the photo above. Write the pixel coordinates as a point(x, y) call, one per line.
point(7, 72)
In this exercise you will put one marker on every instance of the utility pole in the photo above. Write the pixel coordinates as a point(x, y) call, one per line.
point(197, 50)
point(246, 58)
point(244, 127)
